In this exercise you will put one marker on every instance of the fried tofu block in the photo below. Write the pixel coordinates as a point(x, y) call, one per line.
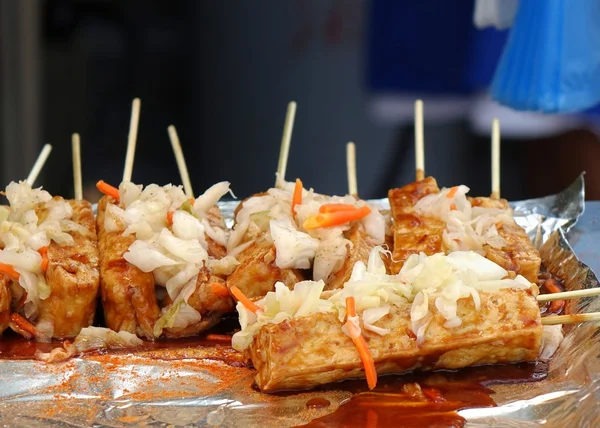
point(257, 273)
point(359, 251)
point(210, 305)
point(312, 350)
point(128, 294)
point(73, 276)
point(5, 299)
point(518, 255)
point(412, 233)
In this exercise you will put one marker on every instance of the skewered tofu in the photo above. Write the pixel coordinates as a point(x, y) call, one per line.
point(312, 350)
point(128, 294)
point(439, 312)
point(50, 246)
point(424, 224)
point(291, 234)
point(73, 277)
point(159, 238)
point(413, 233)
point(257, 273)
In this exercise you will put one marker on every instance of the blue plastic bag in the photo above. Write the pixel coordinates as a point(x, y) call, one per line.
point(552, 59)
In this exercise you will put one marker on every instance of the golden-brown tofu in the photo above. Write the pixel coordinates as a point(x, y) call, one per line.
point(73, 277)
point(257, 273)
point(412, 233)
point(5, 300)
point(518, 255)
point(312, 350)
point(359, 251)
point(211, 306)
point(128, 294)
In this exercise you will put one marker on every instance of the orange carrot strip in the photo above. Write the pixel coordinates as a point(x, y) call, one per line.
point(224, 338)
point(219, 289)
point(108, 190)
point(333, 208)
point(556, 305)
point(335, 218)
point(170, 218)
point(23, 324)
point(452, 192)
point(239, 296)
point(297, 197)
point(44, 253)
point(453, 207)
point(361, 345)
point(10, 271)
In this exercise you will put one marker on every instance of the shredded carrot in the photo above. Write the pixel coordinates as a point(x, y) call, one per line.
point(452, 192)
point(224, 338)
point(170, 218)
point(453, 207)
point(44, 253)
point(334, 208)
point(239, 296)
point(108, 190)
point(219, 289)
point(336, 218)
point(361, 344)
point(23, 324)
point(552, 287)
point(297, 197)
point(10, 271)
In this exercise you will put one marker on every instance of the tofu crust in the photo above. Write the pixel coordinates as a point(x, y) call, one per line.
point(73, 276)
point(312, 350)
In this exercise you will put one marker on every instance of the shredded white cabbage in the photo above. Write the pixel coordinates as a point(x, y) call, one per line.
point(175, 256)
point(430, 284)
point(270, 216)
point(467, 228)
point(23, 234)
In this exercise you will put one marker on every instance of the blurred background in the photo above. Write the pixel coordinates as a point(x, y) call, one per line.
point(223, 72)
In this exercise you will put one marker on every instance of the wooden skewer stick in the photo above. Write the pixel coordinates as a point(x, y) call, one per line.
point(183, 171)
point(419, 141)
point(568, 295)
point(351, 168)
point(132, 138)
point(286, 139)
point(76, 149)
point(495, 159)
point(570, 319)
point(39, 164)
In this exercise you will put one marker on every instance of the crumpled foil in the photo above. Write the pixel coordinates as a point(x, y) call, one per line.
point(203, 386)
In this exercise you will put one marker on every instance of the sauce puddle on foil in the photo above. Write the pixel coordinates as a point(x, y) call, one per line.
point(422, 400)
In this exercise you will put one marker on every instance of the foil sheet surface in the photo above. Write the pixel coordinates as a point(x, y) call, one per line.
point(207, 386)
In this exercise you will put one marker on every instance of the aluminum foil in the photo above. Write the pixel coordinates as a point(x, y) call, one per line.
point(209, 386)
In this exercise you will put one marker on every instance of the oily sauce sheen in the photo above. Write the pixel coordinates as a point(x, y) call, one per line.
point(423, 400)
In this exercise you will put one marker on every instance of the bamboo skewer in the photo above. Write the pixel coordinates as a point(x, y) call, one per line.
point(286, 139)
point(419, 141)
point(132, 138)
point(351, 169)
point(495, 159)
point(39, 164)
point(568, 295)
point(181, 165)
point(77, 183)
point(570, 319)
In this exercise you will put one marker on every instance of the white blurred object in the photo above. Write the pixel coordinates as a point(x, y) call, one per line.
point(495, 13)
point(518, 124)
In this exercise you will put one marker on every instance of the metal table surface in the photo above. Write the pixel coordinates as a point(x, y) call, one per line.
point(585, 236)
